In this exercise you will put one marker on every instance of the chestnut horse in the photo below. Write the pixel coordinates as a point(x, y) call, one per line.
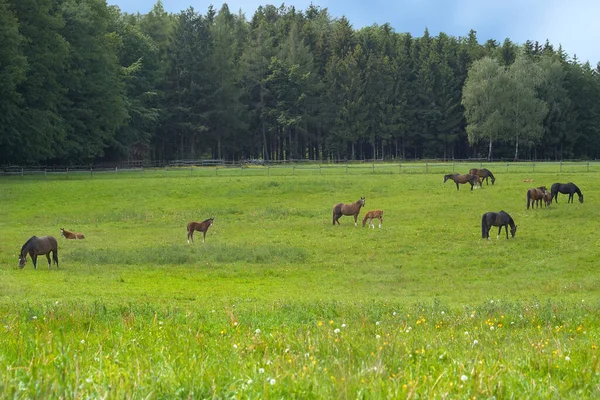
point(484, 174)
point(200, 227)
point(536, 196)
point(71, 235)
point(500, 219)
point(465, 178)
point(348, 209)
point(370, 216)
point(566, 188)
point(36, 246)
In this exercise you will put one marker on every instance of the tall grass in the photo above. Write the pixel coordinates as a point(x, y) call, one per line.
point(278, 302)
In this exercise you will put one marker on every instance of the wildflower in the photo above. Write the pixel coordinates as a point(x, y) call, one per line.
point(336, 330)
point(567, 358)
point(320, 323)
point(330, 322)
point(249, 382)
point(491, 328)
point(377, 337)
point(213, 310)
point(82, 341)
point(464, 378)
point(261, 370)
point(377, 323)
point(235, 323)
point(343, 325)
point(272, 381)
point(466, 332)
point(34, 317)
point(235, 346)
point(394, 313)
point(257, 331)
point(443, 313)
point(475, 342)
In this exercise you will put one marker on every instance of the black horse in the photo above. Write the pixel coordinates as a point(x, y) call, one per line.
point(36, 246)
point(565, 188)
point(501, 219)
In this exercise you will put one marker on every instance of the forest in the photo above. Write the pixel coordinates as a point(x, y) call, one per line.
point(82, 82)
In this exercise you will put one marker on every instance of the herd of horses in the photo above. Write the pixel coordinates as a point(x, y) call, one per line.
point(46, 245)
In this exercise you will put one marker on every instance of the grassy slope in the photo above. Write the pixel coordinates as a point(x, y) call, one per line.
point(274, 260)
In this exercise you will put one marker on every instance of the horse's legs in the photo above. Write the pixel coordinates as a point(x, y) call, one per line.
point(570, 198)
point(55, 257)
point(355, 218)
point(380, 222)
point(471, 185)
point(191, 236)
point(457, 188)
point(34, 259)
point(499, 230)
point(48, 257)
point(204, 237)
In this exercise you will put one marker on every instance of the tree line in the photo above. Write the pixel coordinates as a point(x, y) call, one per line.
point(83, 82)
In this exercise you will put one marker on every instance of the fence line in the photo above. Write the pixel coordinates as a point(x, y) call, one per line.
point(294, 169)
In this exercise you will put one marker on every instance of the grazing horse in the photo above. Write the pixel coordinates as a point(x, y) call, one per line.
point(536, 196)
point(348, 209)
point(566, 188)
point(500, 219)
point(36, 246)
point(71, 235)
point(484, 174)
point(200, 227)
point(370, 216)
point(458, 178)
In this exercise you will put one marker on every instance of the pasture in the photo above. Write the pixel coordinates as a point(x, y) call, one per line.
point(280, 303)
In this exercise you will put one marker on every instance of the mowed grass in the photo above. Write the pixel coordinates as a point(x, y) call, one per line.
point(278, 302)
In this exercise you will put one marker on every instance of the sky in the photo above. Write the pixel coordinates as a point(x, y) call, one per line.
point(570, 23)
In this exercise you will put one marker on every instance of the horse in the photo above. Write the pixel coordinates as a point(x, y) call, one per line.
point(36, 246)
point(371, 215)
point(566, 188)
point(458, 178)
point(71, 235)
point(500, 219)
point(548, 198)
point(348, 209)
point(200, 227)
point(484, 174)
point(536, 196)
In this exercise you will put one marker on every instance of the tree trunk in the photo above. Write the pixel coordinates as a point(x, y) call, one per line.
point(517, 148)
point(489, 157)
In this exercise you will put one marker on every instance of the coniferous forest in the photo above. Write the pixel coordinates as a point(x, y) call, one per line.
point(82, 82)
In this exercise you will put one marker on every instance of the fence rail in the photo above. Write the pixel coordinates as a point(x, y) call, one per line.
point(219, 168)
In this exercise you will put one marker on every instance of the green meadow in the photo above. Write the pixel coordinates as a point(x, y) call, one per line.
point(279, 303)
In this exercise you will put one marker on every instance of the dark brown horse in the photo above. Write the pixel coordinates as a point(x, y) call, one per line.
point(348, 209)
point(36, 246)
point(566, 188)
point(464, 178)
point(536, 196)
point(500, 219)
point(484, 174)
point(71, 235)
point(200, 227)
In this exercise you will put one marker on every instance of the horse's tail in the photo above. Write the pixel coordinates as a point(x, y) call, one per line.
point(528, 198)
point(484, 226)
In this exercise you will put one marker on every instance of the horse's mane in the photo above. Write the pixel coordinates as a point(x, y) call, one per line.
point(208, 219)
point(27, 242)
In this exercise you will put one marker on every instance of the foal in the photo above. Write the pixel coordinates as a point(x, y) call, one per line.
point(370, 216)
point(200, 227)
point(71, 235)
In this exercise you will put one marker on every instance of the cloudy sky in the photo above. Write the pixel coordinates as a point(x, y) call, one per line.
point(571, 23)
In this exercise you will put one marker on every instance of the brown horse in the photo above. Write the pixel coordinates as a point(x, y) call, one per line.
point(548, 198)
point(200, 227)
point(348, 209)
point(464, 178)
point(370, 216)
point(71, 235)
point(36, 246)
point(536, 196)
point(484, 174)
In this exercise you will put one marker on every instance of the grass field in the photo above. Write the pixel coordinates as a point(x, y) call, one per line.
point(280, 303)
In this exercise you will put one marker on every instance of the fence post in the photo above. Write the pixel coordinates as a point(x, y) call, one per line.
point(67, 172)
point(588, 166)
point(116, 170)
point(293, 170)
point(346, 167)
point(452, 166)
point(217, 170)
point(21, 173)
point(532, 167)
point(320, 169)
point(506, 167)
point(560, 165)
point(91, 172)
point(268, 169)
point(426, 168)
point(373, 167)
point(399, 168)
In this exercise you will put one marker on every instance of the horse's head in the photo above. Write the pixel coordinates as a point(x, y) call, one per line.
point(62, 232)
point(513, 230)
point(210, 221)
point(493, 179)
point(446, 178)
point(581, 198)
point(22, 260)
point(362, 201)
